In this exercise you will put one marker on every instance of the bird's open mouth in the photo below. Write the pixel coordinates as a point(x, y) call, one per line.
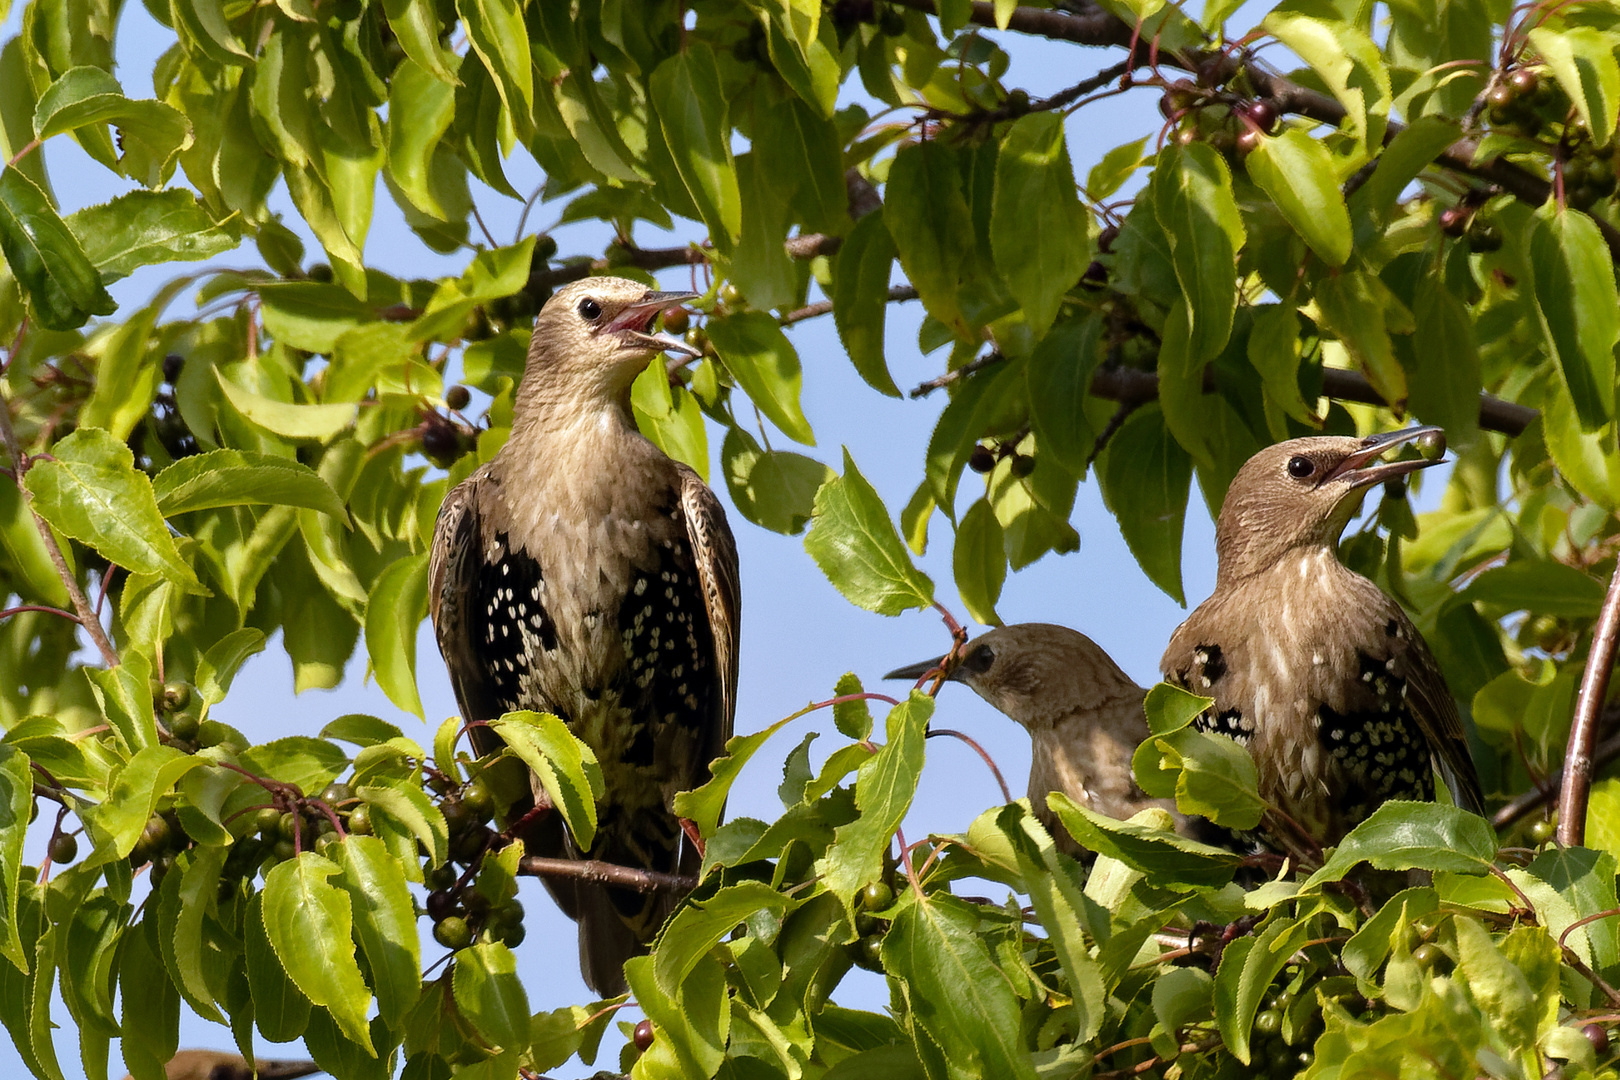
point(1364, 467)
point(634, 323)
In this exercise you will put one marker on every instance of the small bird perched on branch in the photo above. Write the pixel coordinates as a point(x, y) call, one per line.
point(1083, 714)
point(584, 573)
point(1324, 677)
point(219, 1065)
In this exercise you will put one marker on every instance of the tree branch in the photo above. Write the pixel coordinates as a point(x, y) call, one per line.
point(1577, 783)
point(897, 294)
point(1510, 812)
point(602, 873)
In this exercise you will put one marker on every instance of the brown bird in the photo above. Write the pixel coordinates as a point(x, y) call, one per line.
point(219, 1065)
point(1320, 674)
point(582, 572)
point(1083, 714)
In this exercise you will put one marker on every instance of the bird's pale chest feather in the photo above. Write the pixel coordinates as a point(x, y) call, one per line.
point(1309, 665)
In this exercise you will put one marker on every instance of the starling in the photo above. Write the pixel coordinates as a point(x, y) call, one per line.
point(218, 1065)
point(1310, 665)
point(584, 573)
point(1083, 714)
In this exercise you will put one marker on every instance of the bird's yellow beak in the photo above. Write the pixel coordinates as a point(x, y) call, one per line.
point(1364, 467)
point(634, 323)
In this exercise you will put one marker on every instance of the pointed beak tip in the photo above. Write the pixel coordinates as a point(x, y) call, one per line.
point(913, 672)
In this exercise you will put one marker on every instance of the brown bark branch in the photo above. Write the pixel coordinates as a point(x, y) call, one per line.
point(602, 873)
point(1577, 783)
point(897, 294)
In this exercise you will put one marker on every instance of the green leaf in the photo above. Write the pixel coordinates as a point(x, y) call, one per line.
point(1409, 835)
point(672, 419)
point(1273, 350)
point(16, 801)
point(385, 923)
point(1348, 62)
point(490, 996)
point(134, 793)
point(775, 489)
point(241, 478)
point(927, 216)
point(1115, 168)
point(1214, 776)
point(395, 610)
point(1407, 155)
point(64, 289)
point(125, 696)
point(421, 107)
point(763, 361)
point(316, 422)
point(151, 1005)
point(979, 562)
point(1059, 377)
point(1058, 902)
point(802, 156)
point(1297, 172)
point(1497, 985)
point(691, 106)
point(1193, 200)
point(496, 32)
point(761, 268)
point(416, 24)
point(147, 228)
point(1582, 60)
point(309, 922)
point(1146, 476)
point(703, 806)
point(310, 315)
point(280, 1009)
point(1248, 966)
point(151, 133)
point(884, 788)
point(701, 924)
point(207, 34)
point(409, 805)
point(1170, 708)
point(1359, 310)
point(92, 492)
point(1539, 585)
point(1574, 286)
point(1444, 368)
point(854, 542)
point(566, 767)
point(186, 894)
point(957, 994)
point(1037, 225)
point(860, 299)
point(1156, 849)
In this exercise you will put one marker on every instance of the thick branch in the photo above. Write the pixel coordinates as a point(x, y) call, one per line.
point(1577, 783)
point(601, 873)
point(897, 293)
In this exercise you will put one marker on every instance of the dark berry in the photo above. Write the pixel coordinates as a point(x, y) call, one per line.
point(440, 439)
point(643, 1036)
point(1022, 465)
point(1106, 238)
point(457, 397)
point(1454, 220)
point(64, 848)
point(1598, 1036)
point(319, 272)
point(512, 936)
point(440, 877)
point(172, 363)
point(1017, 103)
point(982, 460)
point(1096, 275)
point(1524, 82)
point(1247, 141)
point(1500, 96)
point(676, 320)
point(545, 246)
point(440, 904)
point(1262, 114)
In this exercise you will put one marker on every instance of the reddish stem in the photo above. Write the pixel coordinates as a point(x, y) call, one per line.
point(1577, 785)
point(20, 608)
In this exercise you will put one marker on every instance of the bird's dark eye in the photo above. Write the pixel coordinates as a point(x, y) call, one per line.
point(979, 660)
point(1300, 467)
point(590, 310)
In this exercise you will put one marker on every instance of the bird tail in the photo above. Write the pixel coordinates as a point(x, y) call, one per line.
point(617, 924)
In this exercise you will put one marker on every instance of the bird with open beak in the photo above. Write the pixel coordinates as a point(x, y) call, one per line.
point(584, 573)
point(1310, 665)
point(1083, 714)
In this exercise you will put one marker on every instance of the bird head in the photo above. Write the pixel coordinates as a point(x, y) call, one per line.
point(1036, 673)
point(1303, 492)
point(597, 333)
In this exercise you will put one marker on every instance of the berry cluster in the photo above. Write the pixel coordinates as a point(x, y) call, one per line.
point(461, 913)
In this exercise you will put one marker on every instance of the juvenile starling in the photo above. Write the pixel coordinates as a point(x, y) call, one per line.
point(582, 572)
point(1320, 674)
point(1083, 714)
point(218, 1065)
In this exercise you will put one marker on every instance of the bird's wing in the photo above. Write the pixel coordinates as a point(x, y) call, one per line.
point(715, 553)
point(453, 566)
point(1435, 711)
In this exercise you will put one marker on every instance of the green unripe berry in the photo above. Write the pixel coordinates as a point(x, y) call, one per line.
point(64, 848)
point(452, 932)
point(457, 397)
point(477, 800)
point(360, 820)
point(336, 792)
point(1268, 1022)
point(876, 896)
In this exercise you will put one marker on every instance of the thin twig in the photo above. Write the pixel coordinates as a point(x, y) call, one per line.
point(1605, 752)
point(978, 363)
point(602, 873)
point(1577, 784)
point(20, 608)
